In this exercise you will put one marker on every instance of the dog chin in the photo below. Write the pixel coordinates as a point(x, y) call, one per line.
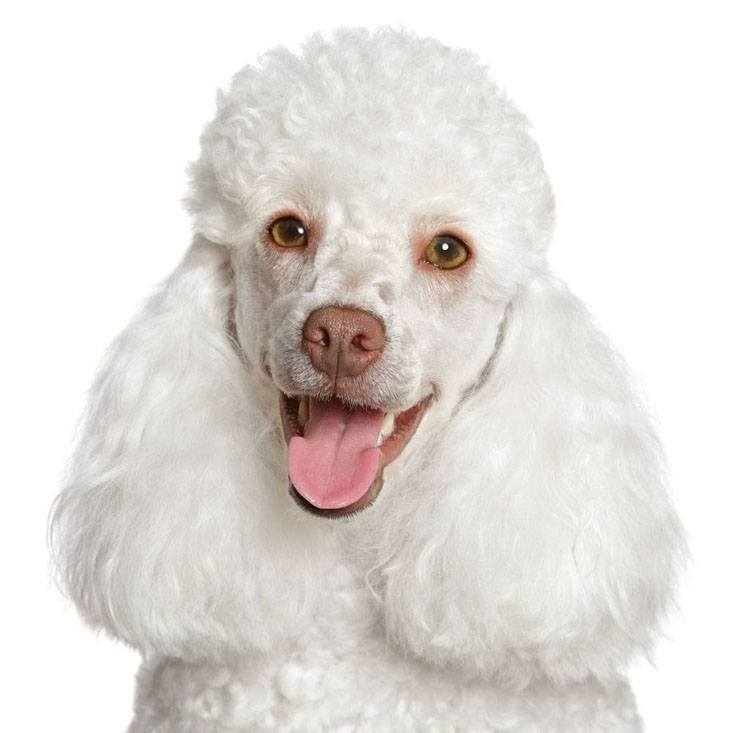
point(337, 452)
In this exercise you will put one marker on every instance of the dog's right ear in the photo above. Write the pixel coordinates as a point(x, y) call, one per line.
point(158, 533)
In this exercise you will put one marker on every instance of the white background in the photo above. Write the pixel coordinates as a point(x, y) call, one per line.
point(102, 105)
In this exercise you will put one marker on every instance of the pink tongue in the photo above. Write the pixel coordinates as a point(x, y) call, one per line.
point(336, 461)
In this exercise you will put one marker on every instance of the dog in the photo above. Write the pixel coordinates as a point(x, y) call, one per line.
point(363, 463)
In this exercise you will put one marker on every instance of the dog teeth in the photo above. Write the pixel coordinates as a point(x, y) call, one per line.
point(388, 425)
point(386, 429)
point(303, 411)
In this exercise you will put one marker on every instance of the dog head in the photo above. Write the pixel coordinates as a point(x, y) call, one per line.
point(378, 222)
point(365, 322)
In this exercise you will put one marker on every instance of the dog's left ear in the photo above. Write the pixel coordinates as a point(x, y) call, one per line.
point(538, 538)
point(169, 533)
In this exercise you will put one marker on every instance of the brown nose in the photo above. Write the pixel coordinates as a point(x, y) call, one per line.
point(343, 342)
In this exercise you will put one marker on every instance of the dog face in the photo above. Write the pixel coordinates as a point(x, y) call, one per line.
point(419, 212)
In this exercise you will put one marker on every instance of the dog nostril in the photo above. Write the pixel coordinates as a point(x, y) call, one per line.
point(322, 337)
point(317, 334)
point(369, 341)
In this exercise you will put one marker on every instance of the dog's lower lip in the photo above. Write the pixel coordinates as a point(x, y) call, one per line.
point(406, 424)
point(341, 512)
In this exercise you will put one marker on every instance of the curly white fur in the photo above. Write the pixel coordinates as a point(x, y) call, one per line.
point(523, 547)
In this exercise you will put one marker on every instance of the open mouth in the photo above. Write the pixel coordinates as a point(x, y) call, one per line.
point(337, 453)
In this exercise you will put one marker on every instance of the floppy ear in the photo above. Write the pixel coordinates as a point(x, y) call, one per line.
point(539, 539)
point(173, 531)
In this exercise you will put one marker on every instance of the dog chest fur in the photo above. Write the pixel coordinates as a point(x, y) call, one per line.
point(342, 676)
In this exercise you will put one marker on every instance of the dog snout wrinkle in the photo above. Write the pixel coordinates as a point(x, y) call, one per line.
point(343, 342)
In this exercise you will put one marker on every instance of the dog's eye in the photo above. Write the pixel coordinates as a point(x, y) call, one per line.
point(446, 252)
point(288, 232)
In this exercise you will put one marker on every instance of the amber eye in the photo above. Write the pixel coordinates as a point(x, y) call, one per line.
point(288, 232)
point(446, 252)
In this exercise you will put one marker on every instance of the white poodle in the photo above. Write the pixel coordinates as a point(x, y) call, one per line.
point(365, 328)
